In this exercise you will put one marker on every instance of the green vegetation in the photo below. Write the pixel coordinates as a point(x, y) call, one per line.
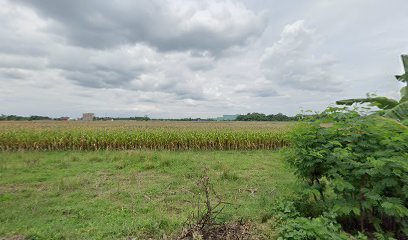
point(291, 225)
point(145, 118)
point(356, 168)
point(21, 118)
point(60, 136)
point(264, 117)
point(115, 195)
point(352, 176)
point(394, 109)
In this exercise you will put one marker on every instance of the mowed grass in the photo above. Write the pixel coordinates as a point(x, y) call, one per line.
point(140, 194)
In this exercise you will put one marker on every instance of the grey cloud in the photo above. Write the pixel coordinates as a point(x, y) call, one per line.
point(19, 31)
point(201, 64)
point(99, 79)
point(167, 25)
point(257, 89)
point(102, 76)
point(181, 83)
point(13, 73)
point(22, 62)
point(136, 68)
point(20, 44)
point(97, 69)
point(194, 58)
point(292, 61)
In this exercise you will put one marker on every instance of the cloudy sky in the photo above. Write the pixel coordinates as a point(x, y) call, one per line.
point(174, 58)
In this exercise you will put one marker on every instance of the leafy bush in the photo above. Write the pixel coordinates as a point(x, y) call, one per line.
point(315, 228)
point(291, 225)
point(358, 166)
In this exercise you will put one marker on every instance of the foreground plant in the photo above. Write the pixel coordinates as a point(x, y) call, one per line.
point(291, 225)
point(395, 109)
point(358, 168)
point(204, 224)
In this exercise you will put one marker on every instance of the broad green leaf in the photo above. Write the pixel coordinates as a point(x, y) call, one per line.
point(404, 77)
point(405, 62)
point(404, 94)
point(380, 102)
point(399, 112)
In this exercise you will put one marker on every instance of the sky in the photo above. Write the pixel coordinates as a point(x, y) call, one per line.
point(175, 59)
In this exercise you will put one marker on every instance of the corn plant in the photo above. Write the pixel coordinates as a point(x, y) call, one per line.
point(94, 136)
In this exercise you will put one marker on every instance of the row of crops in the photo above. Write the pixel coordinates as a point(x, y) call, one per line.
point(50, 136)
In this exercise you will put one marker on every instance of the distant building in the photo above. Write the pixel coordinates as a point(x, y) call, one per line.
point(227, 118)
point(88, 116)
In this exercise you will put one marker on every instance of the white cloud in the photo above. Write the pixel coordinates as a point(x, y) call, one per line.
point(167, 25)
point(195, 58)
point(292, 61)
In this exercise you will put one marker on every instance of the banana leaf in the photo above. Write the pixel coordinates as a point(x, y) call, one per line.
point(380, 102)
point(404, 77)
point(399, 112)
point(394, 109)
point(404, 94)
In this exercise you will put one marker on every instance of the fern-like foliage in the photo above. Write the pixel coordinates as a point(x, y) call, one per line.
point(357, 167)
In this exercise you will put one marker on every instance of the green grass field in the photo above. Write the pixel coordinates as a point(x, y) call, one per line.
point(140, 194)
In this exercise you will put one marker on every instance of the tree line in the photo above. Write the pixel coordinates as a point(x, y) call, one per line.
point(22, 118)
point(263, 117)
point(145, 118)
point(244, 117)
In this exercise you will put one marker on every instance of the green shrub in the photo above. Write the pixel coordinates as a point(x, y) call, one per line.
point(302, 228)
point(358, 166)
point(290, 225)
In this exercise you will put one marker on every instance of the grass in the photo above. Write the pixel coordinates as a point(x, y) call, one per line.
point(141, 194)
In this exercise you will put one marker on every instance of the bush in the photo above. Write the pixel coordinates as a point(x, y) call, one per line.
point(302, 228)
point(358, 167)
point(290, 224)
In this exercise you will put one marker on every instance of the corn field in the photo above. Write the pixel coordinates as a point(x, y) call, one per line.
point(153, 135)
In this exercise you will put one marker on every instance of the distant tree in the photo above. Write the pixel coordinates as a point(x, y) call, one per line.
point(21, 118)
point(34, 117)
point(262, 117)
point(145, 118)
point(14, 118)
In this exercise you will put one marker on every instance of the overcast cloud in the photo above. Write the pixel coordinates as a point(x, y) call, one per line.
point(195, 58)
